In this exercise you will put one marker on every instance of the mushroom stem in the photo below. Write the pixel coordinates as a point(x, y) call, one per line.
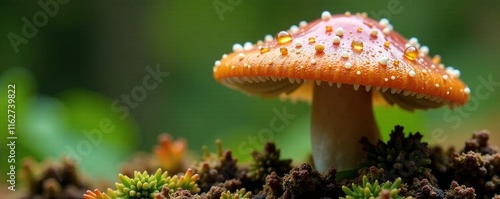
point(340, 118)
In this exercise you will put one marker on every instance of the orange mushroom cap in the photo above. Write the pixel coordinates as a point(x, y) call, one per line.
point(343, 49)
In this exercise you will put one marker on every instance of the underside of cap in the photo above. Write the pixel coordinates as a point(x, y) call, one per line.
point(343, 50)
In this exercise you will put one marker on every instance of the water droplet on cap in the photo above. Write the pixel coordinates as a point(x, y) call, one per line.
point(411, 53)
point(283, 37)
point(284, 51)
point(312, 40)
point(264, 49)
point(357, 45)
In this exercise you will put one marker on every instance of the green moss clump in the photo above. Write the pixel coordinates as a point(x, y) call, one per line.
point(375, 190)
point(239, 194)
point(266, 162)
point(143, 185)
point(401, 156)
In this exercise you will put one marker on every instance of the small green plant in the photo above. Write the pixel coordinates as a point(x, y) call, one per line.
point(375, 190)
point(143, 185)
point(239, 194)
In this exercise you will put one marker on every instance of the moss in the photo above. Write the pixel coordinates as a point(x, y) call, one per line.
point(216, 168)
point(239, 194)
point(273, 188)
point(305, 182)
point(143, 185)
point(53, 180)
point(266, 162)
point(478, 171)
point(403, 163)
point(405, 157)
point(457, 191)
point(373, 173)
point(178, 194)
point(479, 143)
point(440, 161)
point(372, 190)
point(423, 189)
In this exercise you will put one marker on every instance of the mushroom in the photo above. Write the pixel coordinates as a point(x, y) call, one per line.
point(342, 63)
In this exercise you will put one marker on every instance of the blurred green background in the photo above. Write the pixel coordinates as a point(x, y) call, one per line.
point(69, 73)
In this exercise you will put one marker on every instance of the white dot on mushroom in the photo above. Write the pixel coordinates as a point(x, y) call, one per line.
point(345, 54)
point(302, 24)
point(412, 73)
point(247, 46)
point(336, 39)
point(326, 15)
point(383, 22)
point(347, 65)
point(294, 29)
point(386, 31)
point(237, 47)
point(339, 31)
point(467, 90)
point(298, 44)
point(268, 38)
point(241, 56)
point(383, 60)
